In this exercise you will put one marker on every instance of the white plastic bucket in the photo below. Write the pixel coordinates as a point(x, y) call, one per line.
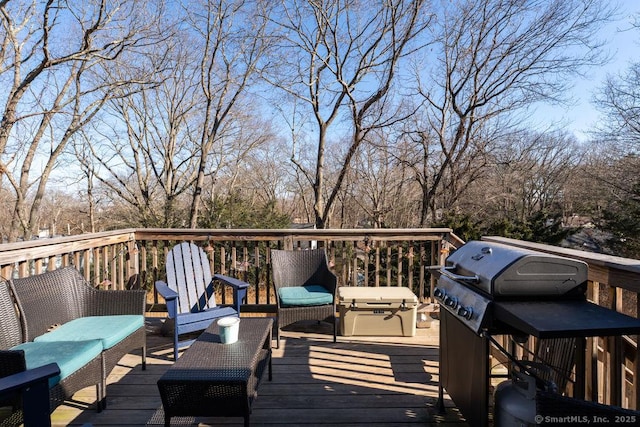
point(229, 327)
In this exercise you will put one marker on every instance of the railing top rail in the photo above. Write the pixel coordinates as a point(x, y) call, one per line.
point(304, 233)
point(51, 241)
point(39, 248)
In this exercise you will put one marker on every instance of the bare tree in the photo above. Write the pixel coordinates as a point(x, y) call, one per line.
point(242, 164)
point(340, 58)
point(52, 55)
point(170, 145)
point(530, 173)
point(144, 149)
point(492, 59)
point(381, 186)
point(443, 172)
point(229, 36)
point(619, 100)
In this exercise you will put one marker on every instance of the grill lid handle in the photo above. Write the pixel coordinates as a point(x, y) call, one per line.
point(446, 271)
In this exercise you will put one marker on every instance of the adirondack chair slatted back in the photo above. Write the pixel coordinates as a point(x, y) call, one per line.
point(559, 355)
point(189, 274)
point(189, 293)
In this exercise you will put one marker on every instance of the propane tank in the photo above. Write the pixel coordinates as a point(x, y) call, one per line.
point(515, 402)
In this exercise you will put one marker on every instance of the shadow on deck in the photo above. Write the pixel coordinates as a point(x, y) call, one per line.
point(358, 381)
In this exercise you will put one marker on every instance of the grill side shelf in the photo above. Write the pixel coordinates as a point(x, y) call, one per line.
point(564, 319)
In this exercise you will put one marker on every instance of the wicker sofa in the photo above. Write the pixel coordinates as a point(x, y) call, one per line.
point(59, 307)
point(80, 362)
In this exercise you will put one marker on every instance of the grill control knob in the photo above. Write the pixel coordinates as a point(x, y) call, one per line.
point(465, 312)
point(439, 293)
point(451, 302)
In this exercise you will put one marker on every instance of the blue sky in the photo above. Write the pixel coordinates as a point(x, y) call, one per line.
point(623, 44)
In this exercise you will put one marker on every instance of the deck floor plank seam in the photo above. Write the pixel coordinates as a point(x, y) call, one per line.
point(358, 381)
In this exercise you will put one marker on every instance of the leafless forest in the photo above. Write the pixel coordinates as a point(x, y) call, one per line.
point(338, 113)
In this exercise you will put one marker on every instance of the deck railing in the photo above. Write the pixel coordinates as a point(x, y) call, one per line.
point(134, 258)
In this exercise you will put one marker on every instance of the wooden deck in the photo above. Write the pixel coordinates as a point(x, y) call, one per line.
point(358, 381)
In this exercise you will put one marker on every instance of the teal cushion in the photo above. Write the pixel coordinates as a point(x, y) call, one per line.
point(305, 295)
point(109, 329)
point(69, 355)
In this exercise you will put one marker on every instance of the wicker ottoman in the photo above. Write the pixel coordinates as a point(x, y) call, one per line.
point(212, 379)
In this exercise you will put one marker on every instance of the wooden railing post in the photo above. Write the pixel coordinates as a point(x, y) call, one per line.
point(592, 348)
point(288, 243)
point(636, 366)
point(133, 264)
point(616, 357)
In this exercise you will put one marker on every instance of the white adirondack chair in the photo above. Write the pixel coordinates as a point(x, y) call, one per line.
point(189, 292)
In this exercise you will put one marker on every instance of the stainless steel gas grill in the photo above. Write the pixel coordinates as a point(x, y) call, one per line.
point(479, 273)
point(487, 289)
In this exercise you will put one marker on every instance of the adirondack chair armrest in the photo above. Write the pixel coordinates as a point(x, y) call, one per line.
point(33, 385)
point(26, 379)
point(164, 290)
point(239, 288)
point(170, 297)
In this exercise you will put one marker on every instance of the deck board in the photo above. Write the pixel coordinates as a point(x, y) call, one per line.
point(358, 381)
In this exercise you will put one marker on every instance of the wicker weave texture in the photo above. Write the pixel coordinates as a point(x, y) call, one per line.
point(13, 361)
point(10, 327)
point(215, 379)
point(298, 268)
point(59, 296)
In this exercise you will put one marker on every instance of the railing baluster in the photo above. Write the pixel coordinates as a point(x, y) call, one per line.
point(377, 264)
point(154, 264)
point(410, 279)
point(388, 264)
point(400, 265)
point(256, 270)
point(367, 253)
point(421, 272)
point(223, 261)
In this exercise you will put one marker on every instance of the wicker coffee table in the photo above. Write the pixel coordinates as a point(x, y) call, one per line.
point(212, 379)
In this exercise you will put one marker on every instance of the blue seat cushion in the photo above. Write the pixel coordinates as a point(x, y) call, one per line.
point(69, 355)
point(304, 295)
point(110, 330)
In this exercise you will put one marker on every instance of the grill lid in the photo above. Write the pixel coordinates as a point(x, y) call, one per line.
point(507, 271)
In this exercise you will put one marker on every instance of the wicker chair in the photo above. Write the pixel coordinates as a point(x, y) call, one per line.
point(13, 360)
point(189, 293)
point(60, 296)
point(300, 268)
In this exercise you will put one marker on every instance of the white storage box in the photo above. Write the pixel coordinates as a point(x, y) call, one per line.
point(383, 311)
